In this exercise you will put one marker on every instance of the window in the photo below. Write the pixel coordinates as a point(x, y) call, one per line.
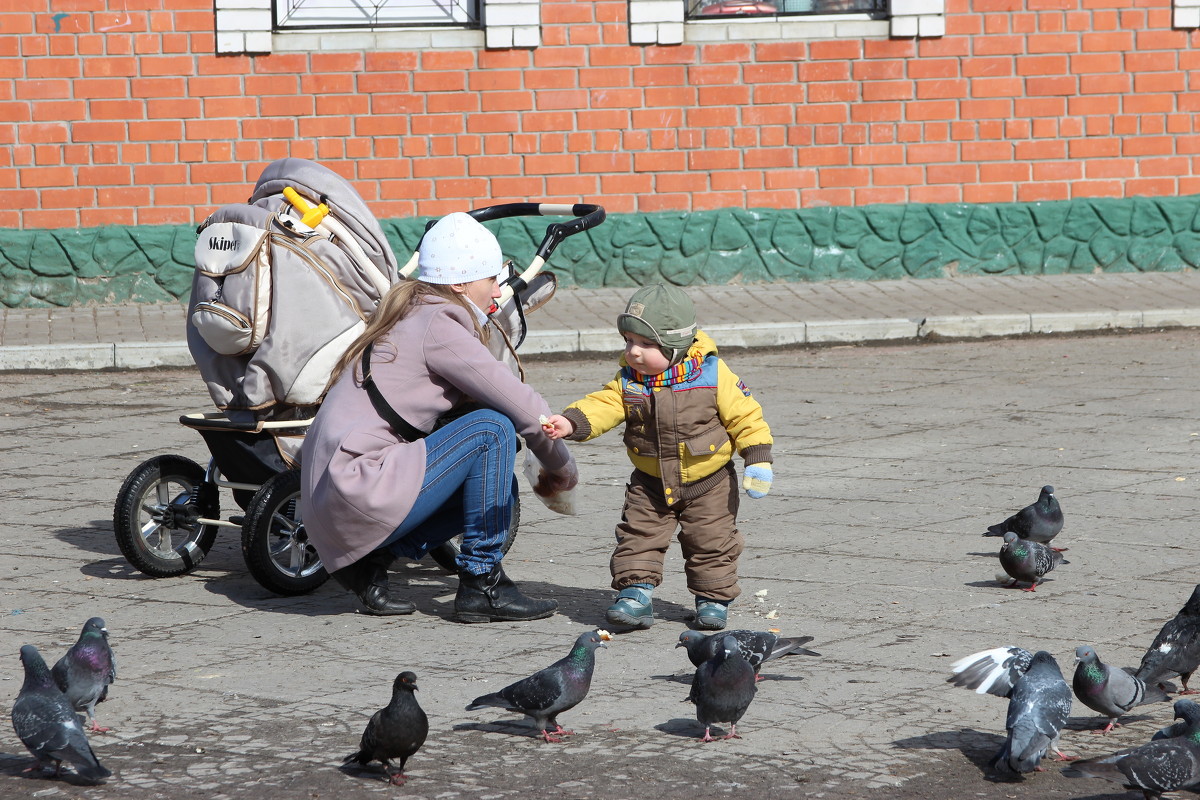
point(277, 26)
point(716, 9)
point(666, 22)
point(302, 14)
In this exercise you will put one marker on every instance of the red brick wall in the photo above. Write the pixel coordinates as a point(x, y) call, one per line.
point(125, 116)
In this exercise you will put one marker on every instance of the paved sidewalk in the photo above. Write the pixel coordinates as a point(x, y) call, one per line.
point(890, 462)
point(581, 320)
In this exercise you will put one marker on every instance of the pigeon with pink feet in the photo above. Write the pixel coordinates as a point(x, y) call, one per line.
point(722, 689)
point(1026, 560)
point(395, 731)
point(1112, 692)
point(87, 669)
point(550, 691)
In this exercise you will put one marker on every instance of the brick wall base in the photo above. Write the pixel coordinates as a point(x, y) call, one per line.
point(153, 263)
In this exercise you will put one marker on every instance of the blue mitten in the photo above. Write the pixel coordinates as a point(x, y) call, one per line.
point(757, 481)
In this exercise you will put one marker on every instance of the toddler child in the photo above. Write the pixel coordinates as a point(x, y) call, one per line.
point(685, 414)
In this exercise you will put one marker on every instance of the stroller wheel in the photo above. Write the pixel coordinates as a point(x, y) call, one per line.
point(157, 512)
point(274, 542)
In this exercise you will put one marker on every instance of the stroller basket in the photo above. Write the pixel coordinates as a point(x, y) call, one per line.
point(248, 454)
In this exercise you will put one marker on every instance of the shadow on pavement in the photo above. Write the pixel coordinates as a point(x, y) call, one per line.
point(500, 726)
point(17, 764)
point(1022, 585)
point(586, 607)
point(224, 573)
point(371, 772)
point(96, 537)
point(978, 747)
point(1095, 723)
point(687, 728)
point(684, 678)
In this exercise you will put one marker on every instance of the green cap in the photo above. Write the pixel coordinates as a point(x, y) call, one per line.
point(662, 313)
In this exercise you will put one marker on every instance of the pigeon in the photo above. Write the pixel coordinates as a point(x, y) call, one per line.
point(549, 692)
point(85, 672)
point(1188, 714)
point(1039, 522)
point(993, 671)
point(395, 731)
point(756, 647)
point(1160, 765)
point(722, 688)
point(1176, 648)
point(1038, 707)
point(45, 721)
point(1112, 692)
point(1026, 560)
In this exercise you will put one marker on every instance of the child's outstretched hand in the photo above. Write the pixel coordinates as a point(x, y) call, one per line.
point(757, 481)
point(557, 426)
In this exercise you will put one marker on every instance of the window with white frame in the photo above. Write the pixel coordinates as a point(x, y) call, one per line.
point(712, 9)
point(665, 22)
point(272, 26)
point(306, 14)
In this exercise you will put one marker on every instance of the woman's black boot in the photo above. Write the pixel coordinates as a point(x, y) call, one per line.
point(492, 597)
point(367, 578)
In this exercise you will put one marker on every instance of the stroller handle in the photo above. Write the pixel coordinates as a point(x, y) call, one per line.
point(587, 215)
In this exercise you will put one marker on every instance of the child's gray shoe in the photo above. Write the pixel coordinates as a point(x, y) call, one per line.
point(711, 615)
point(634, 608)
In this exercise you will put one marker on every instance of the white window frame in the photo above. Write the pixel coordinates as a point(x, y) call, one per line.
point(663, 22)
point(245, 27)
point(312, 14)
point(1185, 13)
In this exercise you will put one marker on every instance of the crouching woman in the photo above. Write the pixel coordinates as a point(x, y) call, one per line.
point(380, 479)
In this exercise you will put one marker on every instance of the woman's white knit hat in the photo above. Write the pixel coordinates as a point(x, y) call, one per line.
point(457, 249)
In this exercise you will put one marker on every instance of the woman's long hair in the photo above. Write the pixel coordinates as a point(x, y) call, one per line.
point(397, 304)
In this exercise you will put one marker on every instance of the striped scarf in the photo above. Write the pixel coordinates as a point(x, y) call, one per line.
point(683, 372)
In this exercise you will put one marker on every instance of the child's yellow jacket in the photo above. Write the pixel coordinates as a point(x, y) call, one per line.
point(683, 432)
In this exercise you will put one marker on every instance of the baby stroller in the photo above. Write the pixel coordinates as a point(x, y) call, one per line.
point(283, 285)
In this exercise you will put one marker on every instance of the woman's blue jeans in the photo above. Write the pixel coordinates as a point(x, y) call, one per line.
point(469, 488)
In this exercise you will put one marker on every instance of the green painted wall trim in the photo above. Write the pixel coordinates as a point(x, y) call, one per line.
point(153, 264)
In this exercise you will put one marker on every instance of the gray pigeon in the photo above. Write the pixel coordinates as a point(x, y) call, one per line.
point(1039, 522)
point(1038, 707)
point(1027, 560)
point(756, 647)
point(1112, 692)
point(722, 688)
point(1160, 765)
point(1188, 715)
point(85, 672)
point(395, 731)
point(48, 725)
point(1176, 648)
point(549, 692)
point(993, 671)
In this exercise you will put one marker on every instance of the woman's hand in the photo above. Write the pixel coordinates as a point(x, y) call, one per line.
point(557, 426)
